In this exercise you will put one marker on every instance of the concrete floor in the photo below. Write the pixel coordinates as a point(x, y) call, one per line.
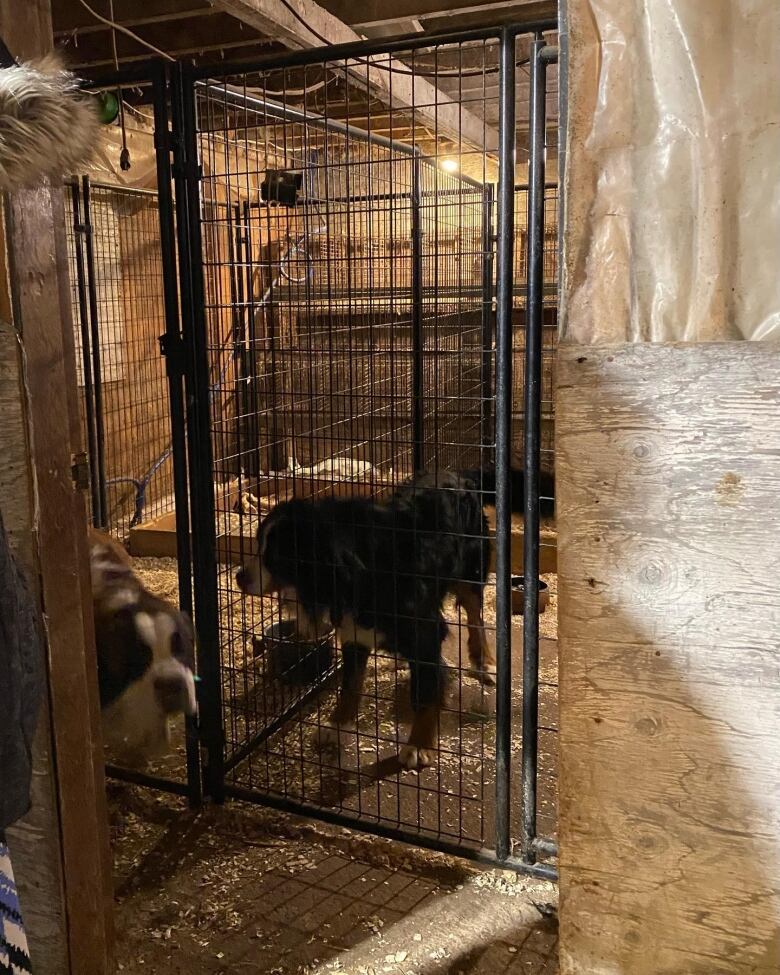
point(242, 889)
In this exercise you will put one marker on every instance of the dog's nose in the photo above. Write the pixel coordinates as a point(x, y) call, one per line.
point(171, 693)
point(242, 578)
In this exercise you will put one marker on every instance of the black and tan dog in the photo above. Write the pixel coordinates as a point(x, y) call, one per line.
point(378, 573)
point(145, 649)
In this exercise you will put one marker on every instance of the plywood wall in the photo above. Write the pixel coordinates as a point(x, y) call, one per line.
point(668, 461)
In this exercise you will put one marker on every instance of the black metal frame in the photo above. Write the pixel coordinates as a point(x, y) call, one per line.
point(185, 345)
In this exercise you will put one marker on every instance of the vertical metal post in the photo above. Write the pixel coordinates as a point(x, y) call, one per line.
point(86, 353)
point(200, 453)
point(532, 444)
point(486, 394)
point(418, 378)
point(94, 326)
point(506, 201)
point(173, 348)
point(276, 455)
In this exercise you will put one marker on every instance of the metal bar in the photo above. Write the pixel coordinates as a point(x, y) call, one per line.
point(238, 756)
point(139, 74)
point(358, 49)
point(284, 113)
point(545, 848)
point(532, 446)
point(94, 325)
point(418, 377)
point(175, 373)
point(474, 189)
point(506, 200)
point(86, 360)
point(194, 328)
point(488, 327)
point(150, 781)
point(485, 856)
point(121, 188)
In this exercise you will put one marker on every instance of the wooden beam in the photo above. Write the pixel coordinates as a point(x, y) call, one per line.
point(60, 849)
point(134, 21)
point(370, 13)
point(544, 10)
point(70, 15)
point(431, 104)
point(251, 47)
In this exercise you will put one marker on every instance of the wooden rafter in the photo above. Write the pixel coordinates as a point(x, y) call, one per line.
point(431, 105)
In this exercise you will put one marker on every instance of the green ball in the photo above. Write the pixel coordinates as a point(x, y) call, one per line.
point(109, 107)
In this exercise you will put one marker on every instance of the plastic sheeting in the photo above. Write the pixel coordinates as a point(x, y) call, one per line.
point(105, 166)
point(673, 171)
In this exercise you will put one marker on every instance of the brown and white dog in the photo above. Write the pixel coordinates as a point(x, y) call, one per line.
point(146, 656)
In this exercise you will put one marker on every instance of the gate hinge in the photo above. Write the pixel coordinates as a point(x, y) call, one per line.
point(79, 471)
point(174, 349)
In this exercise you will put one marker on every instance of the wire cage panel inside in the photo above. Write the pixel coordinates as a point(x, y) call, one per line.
point(118, 311)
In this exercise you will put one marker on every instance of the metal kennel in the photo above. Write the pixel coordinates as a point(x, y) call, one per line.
point(357, 288)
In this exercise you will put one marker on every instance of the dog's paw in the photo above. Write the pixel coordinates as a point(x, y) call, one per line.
point(413, 758)
point(326, 738)
point(329, 738)
point(485, 674)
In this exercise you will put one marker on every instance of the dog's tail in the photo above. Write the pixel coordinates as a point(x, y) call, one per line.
point(484, 481)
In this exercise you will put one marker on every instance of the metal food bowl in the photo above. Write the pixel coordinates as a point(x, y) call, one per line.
point(518, 595)
point(292, 660)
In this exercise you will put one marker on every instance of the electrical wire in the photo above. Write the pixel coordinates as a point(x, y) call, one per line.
point(487, 69)
point(125, 30)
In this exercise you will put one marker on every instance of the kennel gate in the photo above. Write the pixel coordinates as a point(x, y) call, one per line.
point(340, 316)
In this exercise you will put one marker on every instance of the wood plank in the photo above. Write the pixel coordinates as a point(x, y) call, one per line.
point(452, 120)
point(33, 217)
point(667, 476)
point(35, 841)
point(60, 849)
point(157, 537)
point(371, 13)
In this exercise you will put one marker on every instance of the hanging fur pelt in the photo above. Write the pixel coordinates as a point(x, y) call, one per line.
point(48, 126)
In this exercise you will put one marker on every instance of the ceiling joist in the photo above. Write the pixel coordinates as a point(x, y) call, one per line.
point(391, 83)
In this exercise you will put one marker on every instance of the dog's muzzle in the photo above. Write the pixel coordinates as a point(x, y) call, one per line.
point(174, 688)
point(254, 580)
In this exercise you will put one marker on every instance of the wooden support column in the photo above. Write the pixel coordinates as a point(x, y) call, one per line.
point(60, 850)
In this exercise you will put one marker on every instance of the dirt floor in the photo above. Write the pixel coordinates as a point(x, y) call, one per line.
point(243, 889)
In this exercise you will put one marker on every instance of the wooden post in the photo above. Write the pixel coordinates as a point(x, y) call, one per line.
point(60, 850)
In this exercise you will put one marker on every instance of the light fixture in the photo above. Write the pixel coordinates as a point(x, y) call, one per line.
point(449, 165)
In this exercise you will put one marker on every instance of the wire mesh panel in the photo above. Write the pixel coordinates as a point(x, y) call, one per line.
point(118, 312)
point(347, 246)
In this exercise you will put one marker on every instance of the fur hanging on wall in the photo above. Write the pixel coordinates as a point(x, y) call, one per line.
point(48, 126)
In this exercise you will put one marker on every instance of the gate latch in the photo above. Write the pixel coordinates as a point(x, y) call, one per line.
point(173, 348)
point(79, 471)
